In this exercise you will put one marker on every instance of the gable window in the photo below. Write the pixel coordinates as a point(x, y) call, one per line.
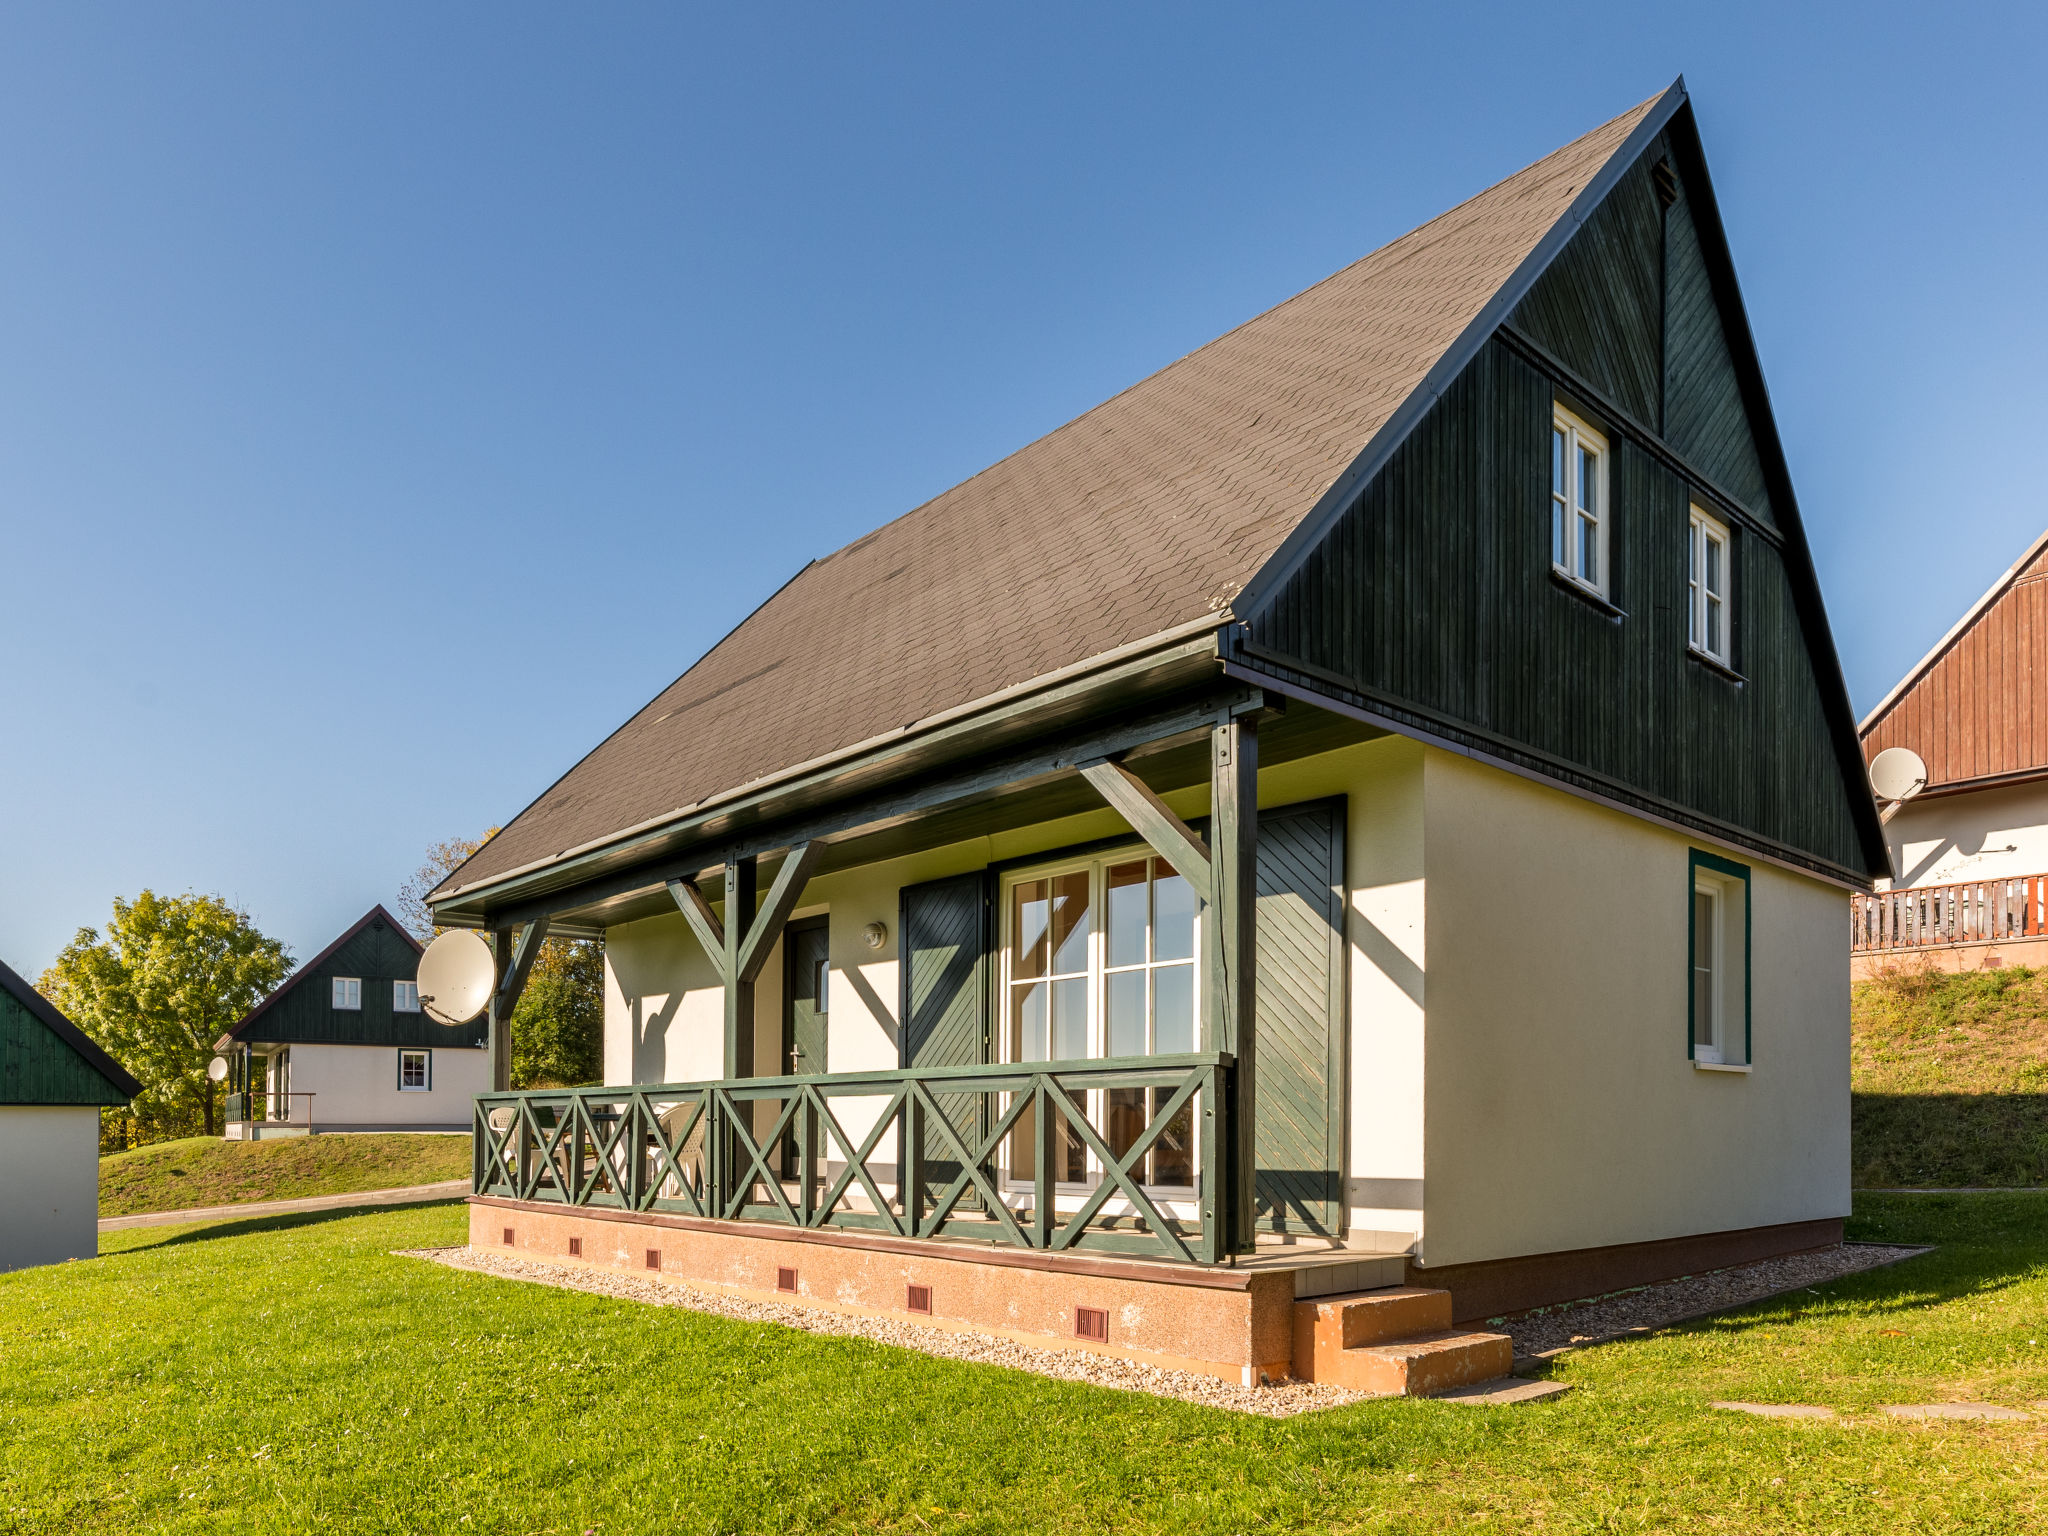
point(348, 992)
point(1578, 502)
point(415, 1071)
point(405, 997)
point(1707, 587)
point(1717, 1003)
point(1099, 961)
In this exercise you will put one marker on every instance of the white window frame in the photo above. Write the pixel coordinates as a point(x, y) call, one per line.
point(348, 994)
point(1701, 599)
point(1568, 502)
point(426, 1057)
point(1713, 947)
point(405, 997)
point(1098, 866)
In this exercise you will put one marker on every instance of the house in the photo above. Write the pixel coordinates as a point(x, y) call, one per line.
point(1970, 850)
point(342, 1045)
point(54, 1081)
point(1329, 845)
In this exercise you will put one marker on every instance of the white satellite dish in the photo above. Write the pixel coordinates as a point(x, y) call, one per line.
point(217, 1069)
point(456, 976)
point(1897, 774)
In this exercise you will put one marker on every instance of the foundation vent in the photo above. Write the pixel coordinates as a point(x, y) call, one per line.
point(785, 1280)
point(654, 1258)
point(918, 1298)
point(1091, 1323)
point(508, 1237)
point(575, 1247)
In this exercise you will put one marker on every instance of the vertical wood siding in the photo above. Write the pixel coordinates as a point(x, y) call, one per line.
point(38, 1068)
point(1434, 593)
point(1704, 418)
point(1977, 711)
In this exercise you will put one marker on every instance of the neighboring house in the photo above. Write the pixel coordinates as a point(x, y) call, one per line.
point(1970, 851)
point(1368, 805)
point(54, 1081)
point(343, 1046)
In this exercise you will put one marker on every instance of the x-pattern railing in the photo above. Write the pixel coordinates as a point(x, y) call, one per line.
point(971, 1152)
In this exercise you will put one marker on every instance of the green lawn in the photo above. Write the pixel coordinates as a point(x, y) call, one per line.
point(204, 1170)
point(1950, 1075)
point(292, 1375)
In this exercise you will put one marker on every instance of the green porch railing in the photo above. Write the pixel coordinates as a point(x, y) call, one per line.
point(1122, 1155)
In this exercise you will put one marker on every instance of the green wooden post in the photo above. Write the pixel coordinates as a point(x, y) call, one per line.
point(1231, 945)
point(500, 1028)
point(741, 875)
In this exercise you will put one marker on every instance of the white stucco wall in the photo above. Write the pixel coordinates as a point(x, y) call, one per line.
point(49, 1184)
point(357, 1086)
point(1987, 834)
point(1561, 1109)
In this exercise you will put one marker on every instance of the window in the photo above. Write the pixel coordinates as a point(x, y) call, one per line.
point(1099, 962)
point(1717, 1004)
point(1707, 587)
point(1578, 502)
point(415, 1071)
point(348, 992)
point(405, 997)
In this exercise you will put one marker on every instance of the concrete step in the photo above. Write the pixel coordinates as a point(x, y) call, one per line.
point(1394, 1341)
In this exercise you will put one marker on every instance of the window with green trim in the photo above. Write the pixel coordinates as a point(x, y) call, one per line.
point(1717, 944)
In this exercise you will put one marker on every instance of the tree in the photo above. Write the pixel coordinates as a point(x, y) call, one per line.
point(171, 976)
point(442, 860)
point(558, 1027)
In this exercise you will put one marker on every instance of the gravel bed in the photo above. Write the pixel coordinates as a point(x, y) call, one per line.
point(1548, 1330)
point(1278, 1401)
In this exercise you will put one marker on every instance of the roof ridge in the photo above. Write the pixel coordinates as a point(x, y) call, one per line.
point(301, 972)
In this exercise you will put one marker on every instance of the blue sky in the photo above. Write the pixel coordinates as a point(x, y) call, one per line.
point(394, 398)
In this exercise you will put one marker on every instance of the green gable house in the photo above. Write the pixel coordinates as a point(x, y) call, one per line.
point(54, 1081)
point(343, 1046)
point(1349, 837)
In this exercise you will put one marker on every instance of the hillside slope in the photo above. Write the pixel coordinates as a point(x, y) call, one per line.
point(202, 1170)
point(1950, 1076)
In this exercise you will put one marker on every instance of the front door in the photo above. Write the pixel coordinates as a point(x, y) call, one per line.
point(804, 994)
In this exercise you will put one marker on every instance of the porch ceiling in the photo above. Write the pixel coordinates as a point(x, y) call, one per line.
point(1175, 763)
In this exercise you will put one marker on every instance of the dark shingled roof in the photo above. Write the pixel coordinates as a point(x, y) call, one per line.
point(1151, 511)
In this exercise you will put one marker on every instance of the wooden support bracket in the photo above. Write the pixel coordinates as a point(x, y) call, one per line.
point(1170, 837)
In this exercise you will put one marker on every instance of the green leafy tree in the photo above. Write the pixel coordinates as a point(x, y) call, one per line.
point(558, 1027)
point(172, 974)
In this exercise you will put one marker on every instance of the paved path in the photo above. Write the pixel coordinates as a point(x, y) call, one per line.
point(1971, 1189)
point(413, 1195)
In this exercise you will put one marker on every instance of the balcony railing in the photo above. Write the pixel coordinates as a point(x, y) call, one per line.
point(271, 1106)
point(1966, 912)
point(1123, 1155)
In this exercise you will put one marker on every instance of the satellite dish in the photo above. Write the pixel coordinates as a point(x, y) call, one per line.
point(217, 1069)
point(456, 976)
point(1897, 774)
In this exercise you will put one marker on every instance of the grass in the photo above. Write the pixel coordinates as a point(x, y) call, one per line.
point(203, 1170)
point(1950, 1076)
point(293, 1375)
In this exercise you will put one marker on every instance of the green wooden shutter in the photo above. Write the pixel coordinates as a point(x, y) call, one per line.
point(942, 935)
point(1301, 1017)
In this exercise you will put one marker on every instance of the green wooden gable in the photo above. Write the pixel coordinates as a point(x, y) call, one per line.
point(377, 952)
point(46, 1059)
point(1429, 601)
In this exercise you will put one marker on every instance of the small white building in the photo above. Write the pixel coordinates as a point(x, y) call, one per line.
point(343, 1046)
point(54, 1082)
